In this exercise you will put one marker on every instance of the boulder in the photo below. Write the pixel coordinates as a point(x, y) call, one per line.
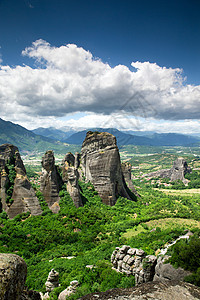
point(17, 194)
point(13, 273)
point(100, 162)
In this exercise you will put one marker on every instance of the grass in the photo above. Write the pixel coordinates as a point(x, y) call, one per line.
point(133, 232)
point(172, 223)
point(179, 192)
point(163, 224)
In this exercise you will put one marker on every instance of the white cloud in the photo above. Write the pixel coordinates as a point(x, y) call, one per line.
point(68, 79)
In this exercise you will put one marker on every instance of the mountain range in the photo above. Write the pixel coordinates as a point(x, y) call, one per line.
point(148, 138)
point(42, 139)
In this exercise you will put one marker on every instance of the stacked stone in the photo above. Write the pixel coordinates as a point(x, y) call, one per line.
point(132, 261)
point(52, 280)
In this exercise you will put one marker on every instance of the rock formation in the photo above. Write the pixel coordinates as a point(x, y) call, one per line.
point(168, 290)
point(51, 181)
point(13, 272)
point(100, 162)
point(52, 280)
point(126, 170)
point(179, 169)
point(177, 172)
point(132, 261)
point(165, 271)
point(70, 176)
point(17, 195)
point(69, 290)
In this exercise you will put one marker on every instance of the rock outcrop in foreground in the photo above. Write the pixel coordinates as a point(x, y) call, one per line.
point(100, 162)
point(168, 290)
point(13, 273)
point(145, 268)
point(17, 195)
point(177, 172)
point(132, 261)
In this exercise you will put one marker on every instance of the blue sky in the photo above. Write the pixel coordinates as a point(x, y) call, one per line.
point(47, 83)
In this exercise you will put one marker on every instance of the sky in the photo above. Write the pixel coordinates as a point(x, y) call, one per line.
point(128, 64)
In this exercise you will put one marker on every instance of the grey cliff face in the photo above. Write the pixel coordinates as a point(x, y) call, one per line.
point(100, 162)
point(50, 181)
point(70, 176)
point(18, 188)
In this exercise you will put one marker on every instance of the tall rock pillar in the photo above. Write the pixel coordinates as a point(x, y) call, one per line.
point(50, 181)
point(100, 162)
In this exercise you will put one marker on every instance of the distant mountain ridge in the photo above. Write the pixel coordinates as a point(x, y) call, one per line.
point(25, 139)
point(54, 139)
point(156, 139)
point(148, 138)
point(53, 133)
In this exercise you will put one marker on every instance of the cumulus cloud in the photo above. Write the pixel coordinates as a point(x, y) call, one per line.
point(68, 79)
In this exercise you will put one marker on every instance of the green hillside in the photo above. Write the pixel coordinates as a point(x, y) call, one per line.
point(92, 232)
point(26, 140)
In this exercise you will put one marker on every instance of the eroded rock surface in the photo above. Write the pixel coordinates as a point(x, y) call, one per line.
point(13, 273)
point(69, 290)
point(51, 181)
point(100, 162)
point(168, 290)
point(132, 261)
point(17, 194)
point(179, 169)
point(165, 271)
point(70, 176)
point(52, 280)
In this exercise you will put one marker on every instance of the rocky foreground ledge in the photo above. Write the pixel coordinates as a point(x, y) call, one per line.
point(13, 272)
point(168, 290)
